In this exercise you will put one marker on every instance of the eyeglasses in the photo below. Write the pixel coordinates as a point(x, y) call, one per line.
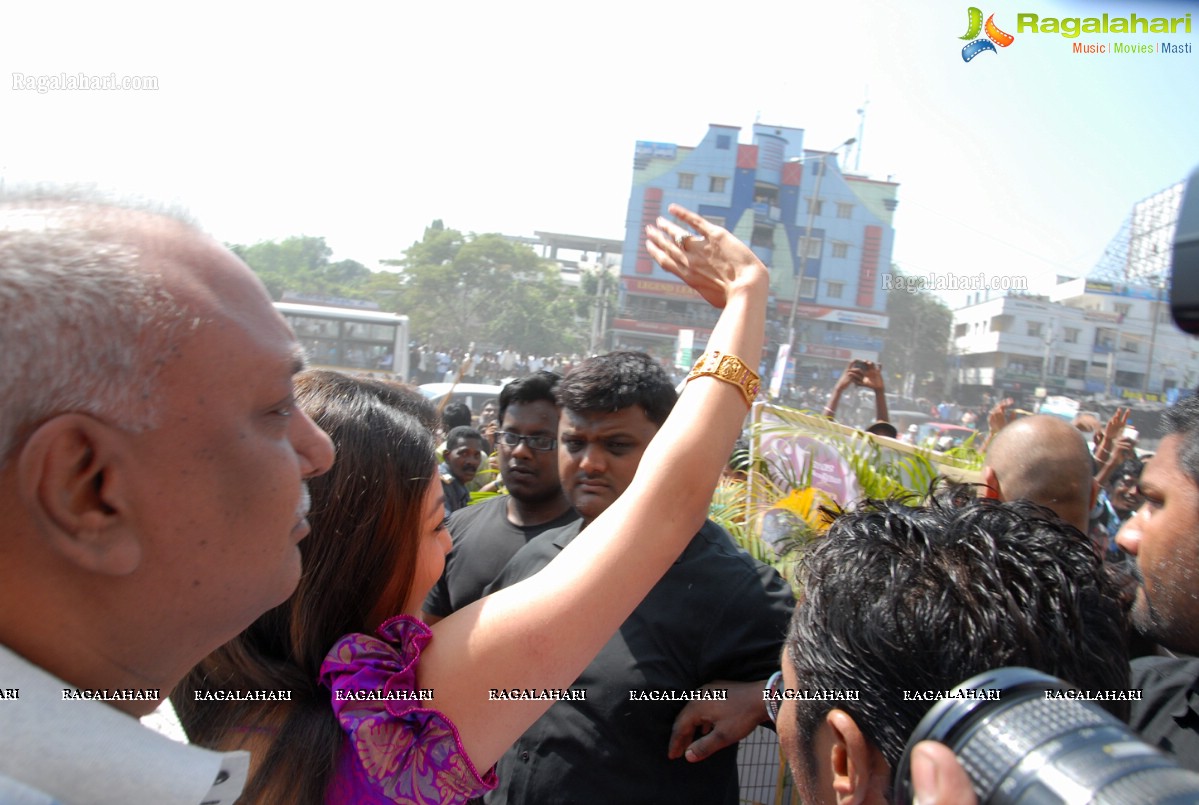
point(774, 695)
point(542, 443)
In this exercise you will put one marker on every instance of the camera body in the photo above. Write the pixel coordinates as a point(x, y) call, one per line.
point(1184, 276)
point(1026, 737)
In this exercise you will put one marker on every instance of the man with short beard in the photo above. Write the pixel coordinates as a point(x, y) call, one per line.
point(485, 536)
point(1163, 537)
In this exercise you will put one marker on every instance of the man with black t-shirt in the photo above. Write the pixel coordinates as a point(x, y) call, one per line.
point(714, 622)
point(1163, 536)
point(485, 536)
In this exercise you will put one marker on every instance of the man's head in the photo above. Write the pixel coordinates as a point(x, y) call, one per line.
point(1164, 535)
point(881, 428)
point(456, 415)
point(464, 453)
point(527, 407)
point(1122, 487)
point(153, 461)
point(612, 405)
point(489, 411)
point(1044, 459)
point(902, 599)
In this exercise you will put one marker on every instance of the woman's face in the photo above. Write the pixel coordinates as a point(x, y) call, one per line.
point(434, 545)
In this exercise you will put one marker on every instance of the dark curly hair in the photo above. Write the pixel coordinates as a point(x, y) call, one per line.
point(619, 380)
point(898, 597)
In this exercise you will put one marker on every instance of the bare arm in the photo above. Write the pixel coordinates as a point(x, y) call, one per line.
point(1124, 449)
point(542, 632)
point(850, 377)
point(1111, 432)
point(872, 378)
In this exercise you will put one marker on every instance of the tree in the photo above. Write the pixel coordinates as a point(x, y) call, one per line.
point(483, 289)
point(301, 265)
point(916, 345)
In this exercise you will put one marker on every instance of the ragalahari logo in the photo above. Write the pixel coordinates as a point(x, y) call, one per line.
point(994, 35)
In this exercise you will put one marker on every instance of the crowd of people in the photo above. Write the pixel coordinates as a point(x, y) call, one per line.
point(191, 514)
point(436, 364)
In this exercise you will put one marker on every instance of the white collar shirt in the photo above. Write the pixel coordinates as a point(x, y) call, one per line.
point(61, 750)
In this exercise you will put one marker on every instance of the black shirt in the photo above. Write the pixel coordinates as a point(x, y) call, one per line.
point(1168, 714)
point(483, 540)
point(716, 614)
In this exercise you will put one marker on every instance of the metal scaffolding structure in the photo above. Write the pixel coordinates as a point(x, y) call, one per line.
point(1140, 252)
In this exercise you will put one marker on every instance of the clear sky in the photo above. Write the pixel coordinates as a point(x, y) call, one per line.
point(364, 122)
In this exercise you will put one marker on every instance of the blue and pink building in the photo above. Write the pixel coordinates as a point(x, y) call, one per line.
point(764, 192)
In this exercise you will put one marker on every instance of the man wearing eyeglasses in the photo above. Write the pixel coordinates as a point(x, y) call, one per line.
point(717, 614)
point(485, 536)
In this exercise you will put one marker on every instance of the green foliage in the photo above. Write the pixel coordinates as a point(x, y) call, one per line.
point(301, 264)
point(918, 334)
point(485, 289)
point(779, 502)
point(456, 289)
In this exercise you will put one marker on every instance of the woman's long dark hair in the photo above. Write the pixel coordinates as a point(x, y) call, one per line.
point(358, 561)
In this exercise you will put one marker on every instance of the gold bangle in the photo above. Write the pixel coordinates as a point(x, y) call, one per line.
point(730, 369)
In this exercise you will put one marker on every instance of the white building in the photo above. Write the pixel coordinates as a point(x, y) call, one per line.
point(1107, 335)
point(1087, 338)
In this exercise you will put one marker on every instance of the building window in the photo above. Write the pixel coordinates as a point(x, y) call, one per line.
point(835, 288)
point(1070, 335)
point(811, 247)
point(1128, 345)
point(807, 288)
point(960, 330)
point(816, 206)
point(715, 219)
point(1077, 370)
point(840, 249)
point(1034, 329)
point(686, 181)
point(716, 184)
point(844, 210)
point(763, 236)
point(723, 141)
point(1130, 379)
point(1123, 308)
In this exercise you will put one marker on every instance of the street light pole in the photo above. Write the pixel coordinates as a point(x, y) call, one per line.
point(1152, 333)
point(807, 240)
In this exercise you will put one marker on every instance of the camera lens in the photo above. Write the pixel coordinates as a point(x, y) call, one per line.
point(1019, 745)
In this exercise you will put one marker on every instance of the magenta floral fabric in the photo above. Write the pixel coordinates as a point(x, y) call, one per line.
point(396, 750)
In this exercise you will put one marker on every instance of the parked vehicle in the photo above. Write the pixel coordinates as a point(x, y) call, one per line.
point(473, 394)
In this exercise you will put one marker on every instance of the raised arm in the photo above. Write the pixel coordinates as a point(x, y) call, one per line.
point(872, 378)
point(542, 632)
point(852, 376)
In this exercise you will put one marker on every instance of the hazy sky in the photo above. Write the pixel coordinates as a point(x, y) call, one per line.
point(363, 123)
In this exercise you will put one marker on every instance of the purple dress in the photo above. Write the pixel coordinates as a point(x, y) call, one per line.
point(397, 750)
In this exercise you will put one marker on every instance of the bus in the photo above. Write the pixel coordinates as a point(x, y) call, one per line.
point(350, 340)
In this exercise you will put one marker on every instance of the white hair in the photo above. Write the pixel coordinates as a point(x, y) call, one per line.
point(84, 326)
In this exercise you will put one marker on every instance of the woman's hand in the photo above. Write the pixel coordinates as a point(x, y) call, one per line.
point(714, 262)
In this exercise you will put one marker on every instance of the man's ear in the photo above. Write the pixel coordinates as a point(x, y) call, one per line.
point(860, 773)
point(71, 480)
point(990, 488)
